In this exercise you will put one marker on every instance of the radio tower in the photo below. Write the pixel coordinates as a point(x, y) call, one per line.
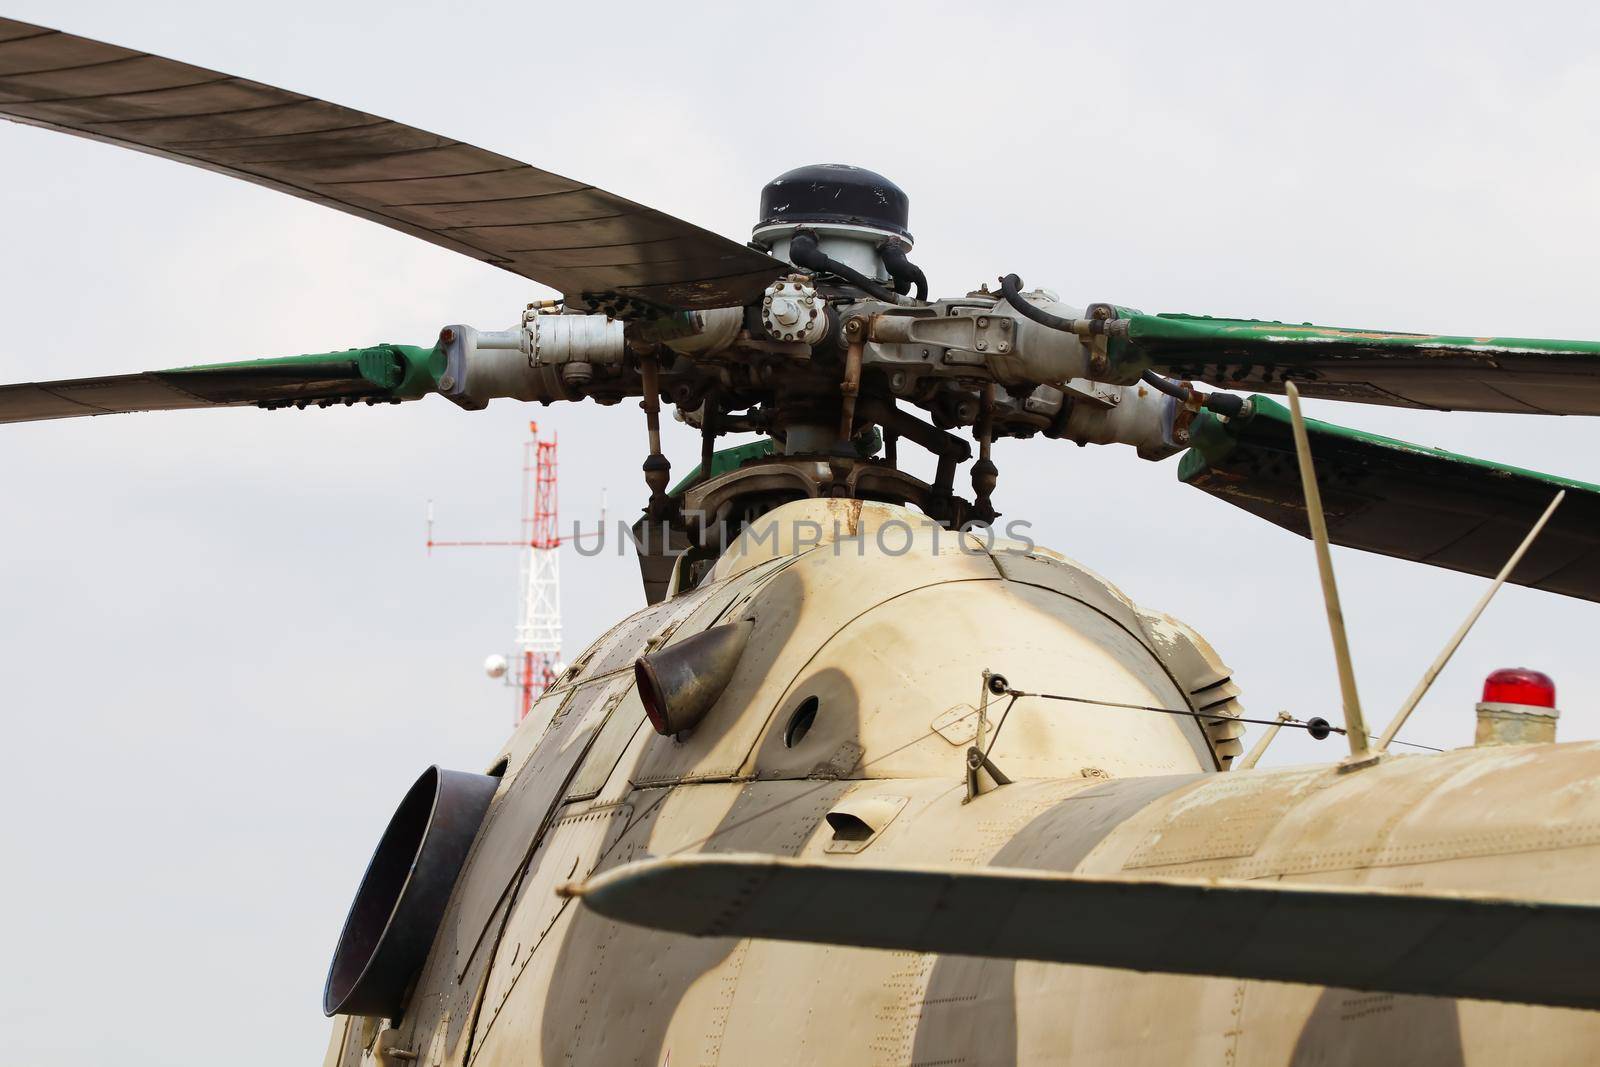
point(538, 637)
point(539, 628)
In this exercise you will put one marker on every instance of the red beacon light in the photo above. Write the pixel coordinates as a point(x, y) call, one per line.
point(1518, 708)
point(1518, 685)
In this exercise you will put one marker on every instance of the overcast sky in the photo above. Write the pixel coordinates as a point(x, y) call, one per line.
point(224, 652)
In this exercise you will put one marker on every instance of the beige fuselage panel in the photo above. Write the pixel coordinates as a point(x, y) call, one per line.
point(893, 648)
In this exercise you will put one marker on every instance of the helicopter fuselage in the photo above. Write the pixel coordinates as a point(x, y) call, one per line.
point(843, 736)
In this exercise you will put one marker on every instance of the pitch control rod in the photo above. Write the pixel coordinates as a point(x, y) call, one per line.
point(657, 469)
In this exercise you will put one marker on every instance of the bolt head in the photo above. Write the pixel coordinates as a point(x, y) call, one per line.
point(785, 311)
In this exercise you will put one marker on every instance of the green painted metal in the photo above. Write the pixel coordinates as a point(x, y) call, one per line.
point(1127, 360)
point(1205, 332)
point(1401, 499)
point(867, 443)
point(389, 371)
point(379, 374)
point(422, 369)
point(1213, 439)
point(1511, 374)
point(727, 459)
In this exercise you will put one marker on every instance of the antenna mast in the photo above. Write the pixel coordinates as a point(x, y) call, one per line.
point(538, 634)
point(539, 626)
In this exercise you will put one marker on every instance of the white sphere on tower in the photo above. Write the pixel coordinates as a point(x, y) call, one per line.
point(495, 666)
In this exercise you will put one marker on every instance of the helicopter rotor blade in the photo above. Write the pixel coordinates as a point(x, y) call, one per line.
point(598, 249)
point(1507, 374)
point(1400, 499)
point(1445, 944)
point(381, 374)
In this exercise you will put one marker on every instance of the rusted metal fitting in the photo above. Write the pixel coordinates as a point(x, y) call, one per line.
point(1188, 409)
point(1099, 357)
point(1100, 316)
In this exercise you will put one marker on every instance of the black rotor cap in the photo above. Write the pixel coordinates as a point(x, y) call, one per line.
point(835, 193)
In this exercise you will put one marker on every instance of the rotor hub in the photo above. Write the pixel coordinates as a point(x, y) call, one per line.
point(853, 212)
point(835, 194)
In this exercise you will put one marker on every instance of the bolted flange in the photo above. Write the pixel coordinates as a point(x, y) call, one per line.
point(791, 310)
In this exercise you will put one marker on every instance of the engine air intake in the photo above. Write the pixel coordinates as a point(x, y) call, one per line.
point(403, 894)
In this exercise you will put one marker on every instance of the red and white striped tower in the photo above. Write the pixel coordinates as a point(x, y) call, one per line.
point(539, 625)
point(538, 638)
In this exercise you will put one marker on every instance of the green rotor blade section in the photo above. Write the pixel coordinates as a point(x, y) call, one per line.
point(1400, 499)
point(1512, 374)
point(380, 374)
